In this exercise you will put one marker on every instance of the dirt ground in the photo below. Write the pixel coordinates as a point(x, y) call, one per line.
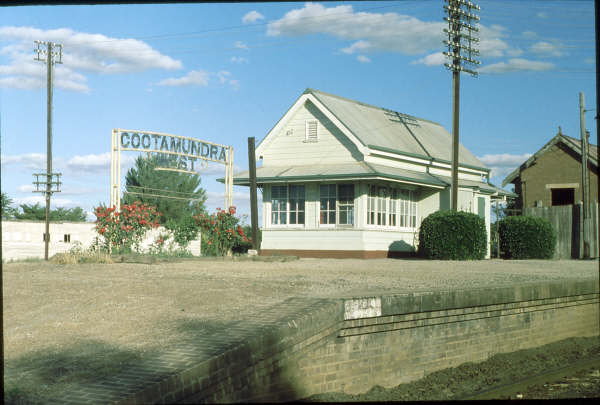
point(69, 323)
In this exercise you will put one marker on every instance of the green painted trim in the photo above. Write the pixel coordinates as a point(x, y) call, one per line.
point(398, 152)
point(361, 176)
point(431, 159)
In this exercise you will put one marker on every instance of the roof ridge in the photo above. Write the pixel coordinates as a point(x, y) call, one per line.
point(313, 91)
point(577, 139)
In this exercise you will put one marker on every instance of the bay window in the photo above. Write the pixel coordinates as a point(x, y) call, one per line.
point(391, 207)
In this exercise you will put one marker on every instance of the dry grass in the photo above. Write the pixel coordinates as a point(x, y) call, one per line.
point(69, 323)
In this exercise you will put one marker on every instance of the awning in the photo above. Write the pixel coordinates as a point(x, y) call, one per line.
point(334, 172)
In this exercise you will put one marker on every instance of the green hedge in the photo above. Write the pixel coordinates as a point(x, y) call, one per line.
point(449, 235)
point(524, 237)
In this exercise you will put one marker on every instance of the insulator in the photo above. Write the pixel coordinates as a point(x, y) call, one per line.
point(459, 56)
point(461, 12)
point(466, 36)
point(459, 45)
point(459, 68)
point(464, 3)
point(461, 24)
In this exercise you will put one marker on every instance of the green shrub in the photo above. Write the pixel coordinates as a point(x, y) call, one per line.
point(524, 237)
point(449, 235)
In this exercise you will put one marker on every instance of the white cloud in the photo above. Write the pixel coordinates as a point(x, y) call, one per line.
point(222, 75)
point(435, 59)
point(363, 59)
point(82, 52)
point(240, 45)
point(389, 32)
point(252, 17)
point(357, 46)
point(26, 188)
point(504, 163)
point(386, 32)
point(529, 34)
point(193, 78)
point(32, 161)
point(517, 65)
point(238, 59)
point(544, 48)
point(39, 199)
point(542, 15)
point(589, 61)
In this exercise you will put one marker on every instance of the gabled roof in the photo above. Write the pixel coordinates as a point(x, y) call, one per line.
point(572, 143)
point(373, 128)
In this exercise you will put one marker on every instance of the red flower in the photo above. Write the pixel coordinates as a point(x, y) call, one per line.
point(232, 210)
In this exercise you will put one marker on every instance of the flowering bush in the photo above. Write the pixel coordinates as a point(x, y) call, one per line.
point(221, 231)
point(125, 229)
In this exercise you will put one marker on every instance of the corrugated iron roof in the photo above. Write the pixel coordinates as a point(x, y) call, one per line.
point(354, 171)
point(573, 143)
point(394, 131)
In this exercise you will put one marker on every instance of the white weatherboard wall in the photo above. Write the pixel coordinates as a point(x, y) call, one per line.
point(336, 239)
point(24, 239)
point(291, 146)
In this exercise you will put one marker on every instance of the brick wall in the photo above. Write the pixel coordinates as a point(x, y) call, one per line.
point(305, 346)
point(559, 165)
point(413, 335)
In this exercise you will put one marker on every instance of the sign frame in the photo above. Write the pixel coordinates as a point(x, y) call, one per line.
point(168, 142)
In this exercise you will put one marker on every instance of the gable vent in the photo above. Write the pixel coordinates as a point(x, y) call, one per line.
point(311, 131)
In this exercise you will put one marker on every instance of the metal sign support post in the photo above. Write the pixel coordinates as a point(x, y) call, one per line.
point(115, 170)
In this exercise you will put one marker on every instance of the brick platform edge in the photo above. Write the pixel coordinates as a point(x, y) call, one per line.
point(305, 346)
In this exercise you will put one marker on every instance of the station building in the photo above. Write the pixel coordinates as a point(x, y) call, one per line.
point(341, 178)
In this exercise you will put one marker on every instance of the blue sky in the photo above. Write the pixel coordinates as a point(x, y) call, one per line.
point(225, 72)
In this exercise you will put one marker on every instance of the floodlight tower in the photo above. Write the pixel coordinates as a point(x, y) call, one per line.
point(460, 38)
point(53, 54)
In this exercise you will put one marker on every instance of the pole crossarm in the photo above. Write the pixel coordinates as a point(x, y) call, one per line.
point(460, 39)
point(52, 55)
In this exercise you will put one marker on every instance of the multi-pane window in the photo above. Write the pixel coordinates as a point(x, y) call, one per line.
point(287, 205)
point(278, 205)
point(327, 197)
point(391, 207)
point(336, 204)
point(346, 204)
point(297, 198)
point(381, 205)
point(371, 209)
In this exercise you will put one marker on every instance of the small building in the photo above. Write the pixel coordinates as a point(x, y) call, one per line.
point(24, 239)
point(341, 178)
point(552, 175)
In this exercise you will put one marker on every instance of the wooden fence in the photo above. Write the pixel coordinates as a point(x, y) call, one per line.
point(567, 221)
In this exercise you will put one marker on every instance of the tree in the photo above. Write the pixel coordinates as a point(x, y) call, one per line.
point(175, 195)
point(36, 212)
point(8, 212)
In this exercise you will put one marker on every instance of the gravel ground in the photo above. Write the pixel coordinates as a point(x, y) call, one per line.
point(67, 323)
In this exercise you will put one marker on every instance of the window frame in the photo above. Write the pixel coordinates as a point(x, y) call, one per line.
point(399, 208)
point(288, 207)
point(336, 211)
